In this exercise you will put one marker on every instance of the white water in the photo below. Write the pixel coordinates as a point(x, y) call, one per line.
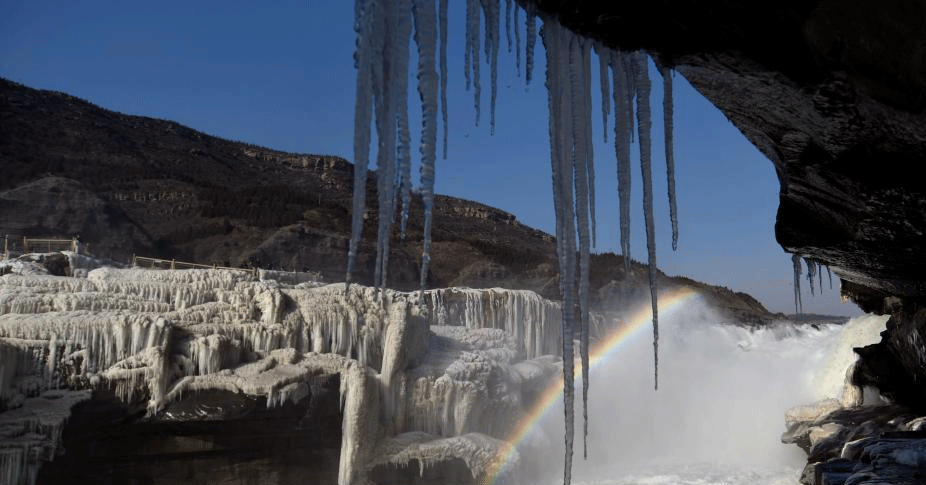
point(719, 412)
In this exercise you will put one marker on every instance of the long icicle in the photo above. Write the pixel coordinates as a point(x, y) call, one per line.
point(491, 11)
point(623, 115)
point(427, 90)
point(604, 62)
point(472, 22)
point(395, 102)
point(442, 20)
point(667, 117)
point(530, 37)
point(796, 264)
point(580, 92)
point(517, 41)
point(404, 162)
point(468, 48)
point(587, 138)
point(508, 23)
point(380, 102)
point(363, 25)
point(561, 156)
point(642, 88)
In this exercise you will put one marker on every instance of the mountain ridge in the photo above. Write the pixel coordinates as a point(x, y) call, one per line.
point(132, 184)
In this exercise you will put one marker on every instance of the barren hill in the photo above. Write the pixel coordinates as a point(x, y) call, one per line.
point(135, 185)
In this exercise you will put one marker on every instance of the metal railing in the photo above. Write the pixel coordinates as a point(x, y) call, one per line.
point(174, 264)
point(285, 277)
point(31, 245)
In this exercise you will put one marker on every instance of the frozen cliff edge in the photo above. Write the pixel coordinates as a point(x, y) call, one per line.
point(423, 380)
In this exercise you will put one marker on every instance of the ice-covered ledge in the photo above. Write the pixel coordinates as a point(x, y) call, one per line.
point(157, 340)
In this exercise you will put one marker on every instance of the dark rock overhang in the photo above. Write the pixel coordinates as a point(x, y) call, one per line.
point(832, 92)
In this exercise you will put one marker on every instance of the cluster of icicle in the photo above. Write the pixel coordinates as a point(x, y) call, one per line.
point(384, 29)
point(383, 32)
point(814, 269)
point(534, 322)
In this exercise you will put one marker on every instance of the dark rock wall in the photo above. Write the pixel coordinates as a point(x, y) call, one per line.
point(208, 437)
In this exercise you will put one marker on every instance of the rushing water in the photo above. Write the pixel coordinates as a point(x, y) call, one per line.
point(719, 412)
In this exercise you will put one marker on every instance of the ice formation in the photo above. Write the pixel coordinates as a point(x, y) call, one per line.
point(442, 20)
point(382, 52)
point(158, 338)
point(796, 263)
point(427, 88)
point(668, 129)
point(559, 45)
point(477, 451)
point(534, 322)
point(814, 268)
point(811, 273)
point(30, 434)
point(642, 87)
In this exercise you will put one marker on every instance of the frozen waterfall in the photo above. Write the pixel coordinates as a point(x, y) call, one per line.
point(426, 377)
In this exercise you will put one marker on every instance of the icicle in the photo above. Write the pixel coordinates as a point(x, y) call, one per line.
point(517, 42)
point(796, 263)
point(393, 101)
point(491, 12)
point(581, 92)
point(830, 276)
point(811, 272)
point(363, 25)
point(630, 91)
point(529, 45)
point(508, 23)
point(404, 179)
point(667, 112)
point(427, 89)
point(472, 43)
point(604, 61)
point(623, 126)
point(442, 20)
point(468, 48)
point(820, 274)
point(561, 158)
point(642, 85)
point(587, 135)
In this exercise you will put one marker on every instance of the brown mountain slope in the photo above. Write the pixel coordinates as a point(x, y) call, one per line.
point(134, 185)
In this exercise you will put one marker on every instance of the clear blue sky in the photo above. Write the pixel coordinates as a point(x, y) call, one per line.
point(280, 74)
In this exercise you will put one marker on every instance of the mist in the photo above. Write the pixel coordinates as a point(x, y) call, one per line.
point(719, 411)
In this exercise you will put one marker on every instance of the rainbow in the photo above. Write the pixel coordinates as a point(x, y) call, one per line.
point(605, 349)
